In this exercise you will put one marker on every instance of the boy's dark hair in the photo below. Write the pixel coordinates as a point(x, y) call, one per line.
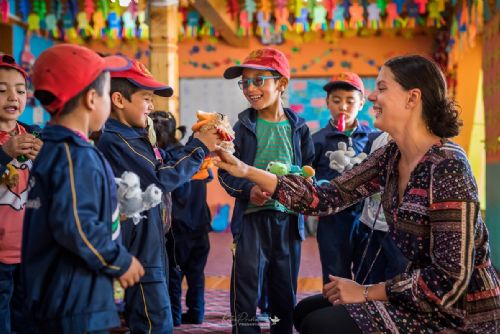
point(46, 97)
point(123, 86)
point(165, 127)
point(342, 86)
point(276, 74)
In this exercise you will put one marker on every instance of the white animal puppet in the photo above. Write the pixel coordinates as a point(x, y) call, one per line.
point(344, 158)
point(132, 200)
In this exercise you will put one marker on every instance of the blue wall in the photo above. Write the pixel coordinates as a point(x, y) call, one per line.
point(493, 210)
point(38, 44)
point(307, 98)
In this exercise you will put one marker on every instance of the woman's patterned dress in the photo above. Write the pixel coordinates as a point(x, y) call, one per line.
point(450, 285)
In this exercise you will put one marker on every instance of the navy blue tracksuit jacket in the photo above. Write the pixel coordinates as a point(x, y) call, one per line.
point(68, 256)
point(334, 231)
point(128, 149)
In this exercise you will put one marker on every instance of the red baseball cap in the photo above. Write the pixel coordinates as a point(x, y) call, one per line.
point(139, 76)
point(9, 62)
point(268, 59)
point(64, 70)
point(349, 78)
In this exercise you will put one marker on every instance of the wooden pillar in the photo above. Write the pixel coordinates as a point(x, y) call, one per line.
point(6, 42)
point(164, 61)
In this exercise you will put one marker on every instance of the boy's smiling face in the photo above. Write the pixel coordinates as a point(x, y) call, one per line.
point(268, 95)
point(12, 95)
point(347, 102)
point(136, 111)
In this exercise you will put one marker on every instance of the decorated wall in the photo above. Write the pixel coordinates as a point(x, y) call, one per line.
point(491, 69)
point(314, 58)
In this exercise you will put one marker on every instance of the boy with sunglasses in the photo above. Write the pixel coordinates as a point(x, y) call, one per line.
point(267, 236)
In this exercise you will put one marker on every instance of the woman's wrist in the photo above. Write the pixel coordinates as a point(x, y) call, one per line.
point(366, 291)
point(265, 180)
point(374, 292)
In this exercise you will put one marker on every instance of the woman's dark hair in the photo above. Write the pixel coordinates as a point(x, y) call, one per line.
point(440, 112)
point(166, 127)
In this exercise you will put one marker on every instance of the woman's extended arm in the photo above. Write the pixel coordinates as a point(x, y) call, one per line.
point(265, 180)
point(304, 196)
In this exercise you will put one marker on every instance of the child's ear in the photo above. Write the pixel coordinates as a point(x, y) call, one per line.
point(361, 103)
point(89, 99)
point(117, 100)
point(282, 84)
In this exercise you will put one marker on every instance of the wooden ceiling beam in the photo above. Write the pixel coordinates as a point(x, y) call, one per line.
point(215, 12)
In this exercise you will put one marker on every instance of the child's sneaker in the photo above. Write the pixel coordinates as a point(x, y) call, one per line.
point(191, 319)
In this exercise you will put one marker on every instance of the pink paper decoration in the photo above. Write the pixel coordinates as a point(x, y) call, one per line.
point(4, 9)
point(281, 16)
point(392, 15)
point(357, 20)
point(421, 5)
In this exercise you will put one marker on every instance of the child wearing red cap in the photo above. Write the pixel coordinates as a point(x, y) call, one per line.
point(19, 148)
point(344, 99)
point(267, 236)
point(69, 258)
point(125, 144)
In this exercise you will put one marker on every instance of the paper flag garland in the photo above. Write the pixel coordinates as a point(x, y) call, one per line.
point(373, 16)
point(319, 18)
point(338, 21)
point(4, 9)
point(357, 19)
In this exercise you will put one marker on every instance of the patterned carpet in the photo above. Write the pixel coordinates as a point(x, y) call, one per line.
point(217, 315)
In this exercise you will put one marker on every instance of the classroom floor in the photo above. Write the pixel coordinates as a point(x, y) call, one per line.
point(217, 274)
point(218, 269)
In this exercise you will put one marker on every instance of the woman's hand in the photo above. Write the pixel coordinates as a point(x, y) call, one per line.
point(343, 291)
point(231, 164)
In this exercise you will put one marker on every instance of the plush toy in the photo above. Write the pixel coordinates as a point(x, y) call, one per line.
point(344, 158)
point(10, 177)
point(131, 200)
point(212, 120)
point(206, 122)
point(280, 169)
